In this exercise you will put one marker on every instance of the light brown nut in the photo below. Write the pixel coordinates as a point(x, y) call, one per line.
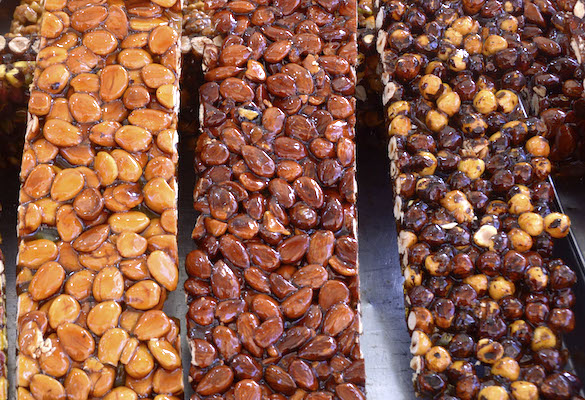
point(108, 284)
point(43, 387)
point(77, 341)
point(152, 324)
point(103, 316)
point(111, 345)
point(46, 281)
point(143, 295)
point(164, 269)
point(64, 308)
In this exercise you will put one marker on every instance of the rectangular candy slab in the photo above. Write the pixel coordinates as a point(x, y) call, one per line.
point(97, 216)
point(273, 287)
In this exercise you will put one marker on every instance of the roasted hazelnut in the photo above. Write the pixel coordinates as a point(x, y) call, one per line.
point(543, 338)
point(449, 103)
point(520, 240)
point(538, 146)
point(461, 346)
point(461, 266)
point(420, 319)
point(536, 279)
point(556, 387)
point(420, 343)
point(549, 359)
point(478, 282)
point(506, 367)
point(489, 351)
point(531, 223)
point(400, 39)
point(557, 225)
point(436, 120)
point(418, 253)
point(430, 384)
point(472, 167)
point(473, 124)
point(562, 320)
point(493, 393)
point(534, 374)
point(508, 23)
point(521, 331)
point(467, 387)
point(458, 61)
point(561, 276)
point(493, 44)
point(500, 287)
point(485, 101)
point(443, 313)
point(437, 359)
point(511, 307)
point(522, 390)
point(401, 125)
point(407, 66)
point(542, 167)
point(484, 236)
point(489, 263)
point(398, 108)
point(536, 312)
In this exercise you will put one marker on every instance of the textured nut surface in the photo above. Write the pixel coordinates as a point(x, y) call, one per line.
point(98, 225)
point(271, 312)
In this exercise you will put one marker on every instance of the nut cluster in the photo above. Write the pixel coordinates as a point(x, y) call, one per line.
point(486, 302)
point(97, 216)
point(273, 286)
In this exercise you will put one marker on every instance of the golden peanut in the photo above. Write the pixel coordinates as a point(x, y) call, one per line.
point(108, 284)
point(101, 42)
point(129, 351)
point(54, 78)
point(76, 341)
point(102, 380)
point(159, 195)
point(67, 184)
point(132, 221)
point(79, 285)
point(111, 345)
point(133, 138)
point(105, 168)
point(77, 385)
point(152, 324)
point(27, 368)
point(164, 352)
point(62, 133)
point(156, 75)
point(64, 308)
point(43, 387)
point(39, 103)
point(68, 225)
point(46, 281)
point(161, 39)
point(35, 253)
point(84, 108)
point(130, 244)
point(165, 381)
point(167, 95)
point(55, 363)
point(121, 393)
point(113, 82)
point(141, 363)
point(143, 295)
point(38, 182)
point(129, 169)
point(163, 268)
point(103, 316)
